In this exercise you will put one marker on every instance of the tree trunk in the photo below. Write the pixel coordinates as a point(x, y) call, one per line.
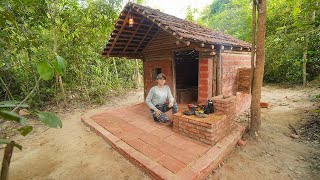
point(253, 39)
point(6, 160)
point(304, 62)
point(259, 70)
point(305, 52)
point(54, 34)
point(137, 75)
point(115, 68)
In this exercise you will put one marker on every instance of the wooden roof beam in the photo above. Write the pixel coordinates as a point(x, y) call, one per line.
point(144, 37)
point(133, 35)
point(120, 31)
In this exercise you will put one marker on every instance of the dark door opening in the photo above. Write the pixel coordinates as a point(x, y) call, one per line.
point(186, 71)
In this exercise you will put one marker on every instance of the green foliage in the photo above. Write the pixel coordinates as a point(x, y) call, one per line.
point(12, 104)
point(229, 16)
point(190, 14)
point(4, 141)
point(289, 25)
point(82, 28)
point(50, 119)
point(25, 130)
point(12, 116)
point(45, 70)
point(60, 65)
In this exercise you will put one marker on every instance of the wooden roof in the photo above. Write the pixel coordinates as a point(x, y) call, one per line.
point(130, 42)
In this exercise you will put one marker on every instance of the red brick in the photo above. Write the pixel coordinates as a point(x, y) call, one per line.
point(175, 140)
point(172, 164)
point(152, 152)
point(204, 75)
point(204, 61)
point(264, 104)
point(204, 68)
point(138, 144)
point(203, 82)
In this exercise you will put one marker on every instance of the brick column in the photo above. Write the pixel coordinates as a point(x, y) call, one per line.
point(225, 105)
point(205, 79)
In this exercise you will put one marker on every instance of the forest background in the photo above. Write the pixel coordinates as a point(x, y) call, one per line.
point(29, 29)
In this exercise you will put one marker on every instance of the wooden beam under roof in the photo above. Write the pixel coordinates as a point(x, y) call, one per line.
point(120, 31)
point(133, 35)
point(145, 37)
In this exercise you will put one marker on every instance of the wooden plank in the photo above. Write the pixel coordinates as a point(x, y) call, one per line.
point(134, 34)
point(214, 76)
point(115, 40)
point(219, 71)
point(174, 75)
point(145, 37)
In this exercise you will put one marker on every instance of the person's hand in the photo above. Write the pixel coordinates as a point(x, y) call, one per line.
point(158, 112)
point(170, 104)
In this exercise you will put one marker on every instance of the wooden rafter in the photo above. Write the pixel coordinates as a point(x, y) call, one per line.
point(144, 37)
point(133, 35)
point(120, 31)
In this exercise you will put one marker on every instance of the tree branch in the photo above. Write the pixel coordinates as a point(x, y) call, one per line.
point(31, 92)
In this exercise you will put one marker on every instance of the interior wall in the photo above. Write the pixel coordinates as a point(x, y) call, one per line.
point(186, 76)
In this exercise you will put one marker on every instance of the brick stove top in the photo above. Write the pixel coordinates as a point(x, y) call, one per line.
point(208, 130)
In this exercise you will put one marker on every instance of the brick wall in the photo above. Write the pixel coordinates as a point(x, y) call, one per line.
point(166, 66)
point(235, 71)
point(225, 105)
point(244, 84)
point(230, 65)
point(208, 130)
point(205, 79)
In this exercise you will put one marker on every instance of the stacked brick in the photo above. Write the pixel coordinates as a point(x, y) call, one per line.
point(205, 79)
point(225, 105)
point(230, 65)
point(244, 80)
point(208, 130)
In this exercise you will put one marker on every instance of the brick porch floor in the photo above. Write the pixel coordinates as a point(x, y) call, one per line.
point(155, 148)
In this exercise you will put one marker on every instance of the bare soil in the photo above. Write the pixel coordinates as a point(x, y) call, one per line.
point(75, 152)
point(274, 154)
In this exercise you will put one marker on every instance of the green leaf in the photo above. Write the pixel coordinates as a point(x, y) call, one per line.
point(12, 104)
point(12, 116)
point(4, 141)
point(50, 119)
point(45, 70)
point(60, 65)
point(25, 130)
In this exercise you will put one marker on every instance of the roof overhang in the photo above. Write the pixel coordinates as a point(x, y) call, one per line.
point(130, 42)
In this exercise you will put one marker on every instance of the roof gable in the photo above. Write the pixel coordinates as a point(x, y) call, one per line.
point(130, 42)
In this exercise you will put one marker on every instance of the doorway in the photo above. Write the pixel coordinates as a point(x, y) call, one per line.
point(186, 74)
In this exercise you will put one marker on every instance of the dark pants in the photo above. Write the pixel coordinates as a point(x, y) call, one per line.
point(164, 108)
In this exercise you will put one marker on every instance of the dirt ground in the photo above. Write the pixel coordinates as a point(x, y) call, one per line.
point(75, 152)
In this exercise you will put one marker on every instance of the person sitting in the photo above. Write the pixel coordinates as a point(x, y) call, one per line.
point(160, 100)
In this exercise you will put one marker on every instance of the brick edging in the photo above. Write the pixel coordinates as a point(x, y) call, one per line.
point(147, 165)
point(198, 169)
point(218, 153)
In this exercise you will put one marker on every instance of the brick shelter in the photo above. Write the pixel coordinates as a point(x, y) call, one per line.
point(200, 63)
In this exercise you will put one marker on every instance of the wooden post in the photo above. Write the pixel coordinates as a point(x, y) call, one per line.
point(259, 70)
point(253, 40)
point(214, 76)
point(219, 71)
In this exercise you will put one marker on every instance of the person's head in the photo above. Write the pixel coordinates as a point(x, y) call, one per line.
point(161, 79)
